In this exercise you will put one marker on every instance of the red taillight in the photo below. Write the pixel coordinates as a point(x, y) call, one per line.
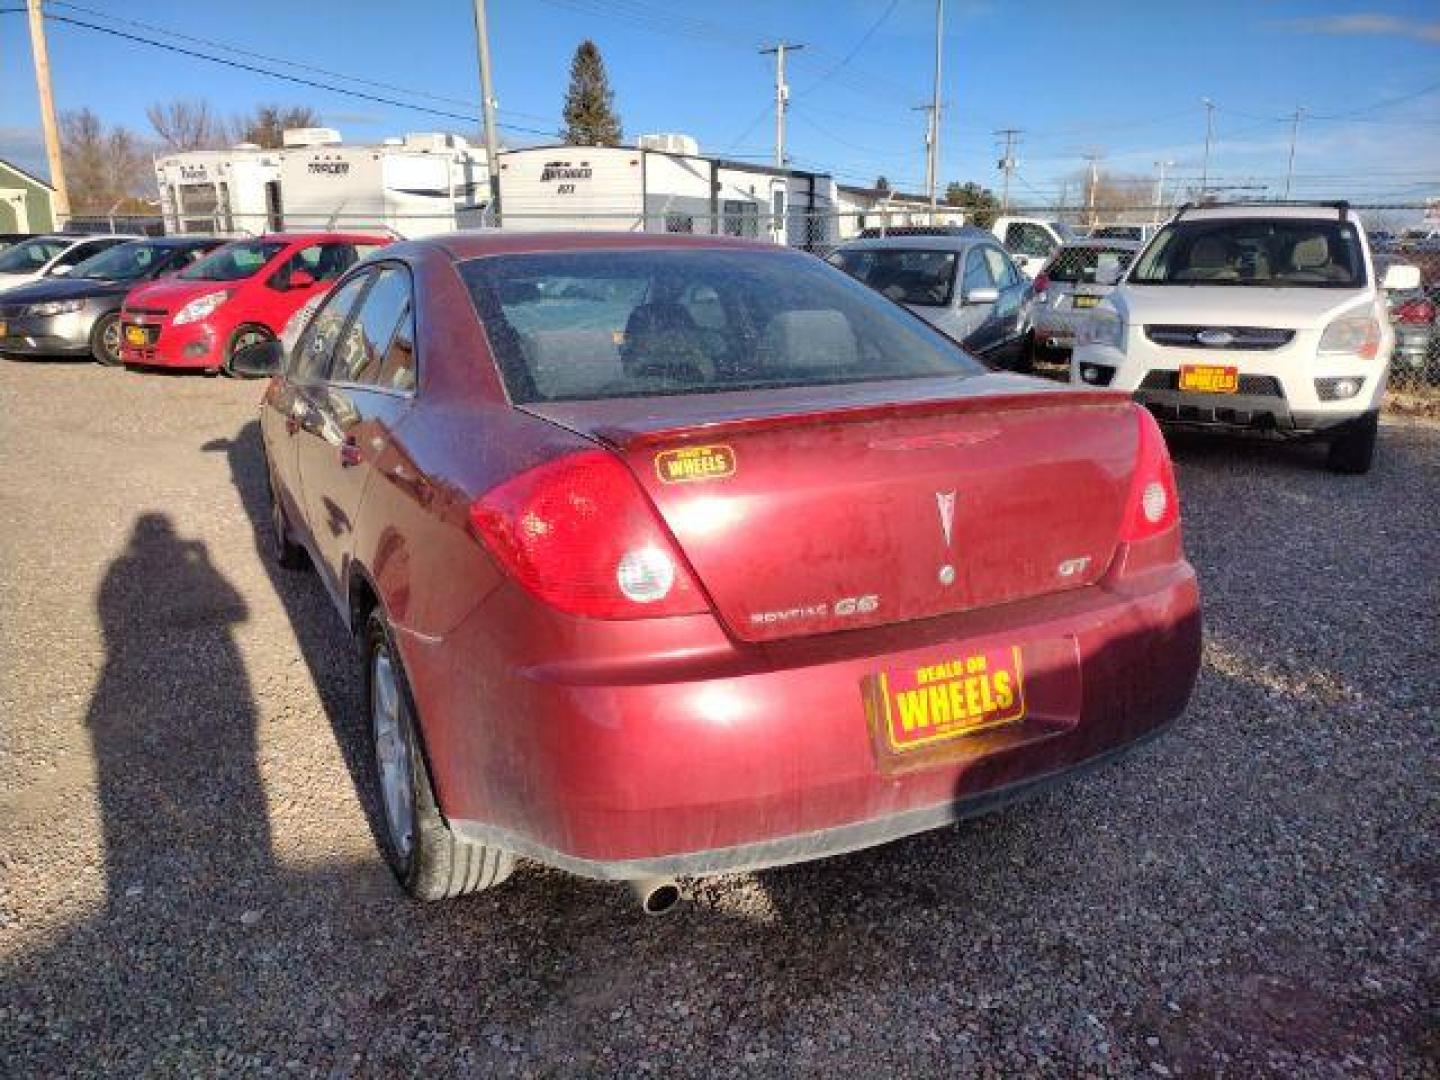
point(578, 533)
point(1152, 506)
point(1042, 285)
point(1416, 311)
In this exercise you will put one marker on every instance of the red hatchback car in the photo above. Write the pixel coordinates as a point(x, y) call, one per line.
point(239, 295)
point(682, 555)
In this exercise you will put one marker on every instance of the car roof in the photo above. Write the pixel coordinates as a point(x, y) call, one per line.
point(1104, 243)
point(956, 241)
point(1252, 211)
point(477, 243)
point(311, 237)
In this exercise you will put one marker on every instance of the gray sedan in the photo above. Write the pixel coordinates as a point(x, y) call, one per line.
point(964, 284)
point(1066, 291)
point(79, 314)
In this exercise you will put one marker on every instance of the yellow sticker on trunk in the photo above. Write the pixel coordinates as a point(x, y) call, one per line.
point(695, 463)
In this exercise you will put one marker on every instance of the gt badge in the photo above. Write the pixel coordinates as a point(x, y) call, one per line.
point(695, 463)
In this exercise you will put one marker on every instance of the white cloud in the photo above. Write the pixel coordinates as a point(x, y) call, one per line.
point(1367, 25)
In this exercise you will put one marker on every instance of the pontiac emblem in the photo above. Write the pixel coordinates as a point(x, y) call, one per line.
point(945, 503)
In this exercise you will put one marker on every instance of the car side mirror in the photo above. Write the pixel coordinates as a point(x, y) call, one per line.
point(258, 361)
point(301, 279)
point(1400, 277)
point(1107, 273)
point(982, 296)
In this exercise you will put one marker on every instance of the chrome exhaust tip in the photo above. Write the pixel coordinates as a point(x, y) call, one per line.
point(656, 895)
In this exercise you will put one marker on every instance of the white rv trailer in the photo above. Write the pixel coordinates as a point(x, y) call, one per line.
point(663, 185)
point(220, 191)
point(415, 186)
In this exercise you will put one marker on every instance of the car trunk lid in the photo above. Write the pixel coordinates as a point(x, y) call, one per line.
point(834, 508)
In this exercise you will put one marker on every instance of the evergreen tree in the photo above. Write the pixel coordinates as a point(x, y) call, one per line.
point(590, 118)
point(882, 183)
point(980, 203)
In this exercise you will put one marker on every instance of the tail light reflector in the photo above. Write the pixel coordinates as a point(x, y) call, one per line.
point(578, 533)
point(1042, 285)
point(1415, 311)
point(1153, 507)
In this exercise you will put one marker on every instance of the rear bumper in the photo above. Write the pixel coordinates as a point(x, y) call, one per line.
point(710, 756)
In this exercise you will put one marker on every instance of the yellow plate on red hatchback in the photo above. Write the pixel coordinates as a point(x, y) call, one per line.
point(1209, 378)
point(916, 707)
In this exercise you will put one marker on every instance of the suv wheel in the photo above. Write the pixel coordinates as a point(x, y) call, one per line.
point(1353, 450)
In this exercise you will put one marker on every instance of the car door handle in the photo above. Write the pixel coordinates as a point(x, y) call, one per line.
point(350, 454)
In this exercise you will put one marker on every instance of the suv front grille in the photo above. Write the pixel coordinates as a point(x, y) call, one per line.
point(1249, 338)
point(1251, 385)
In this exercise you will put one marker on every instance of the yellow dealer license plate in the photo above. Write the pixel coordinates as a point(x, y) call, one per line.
point(4, 328)
point(135, 335)
point(1086, 301)
point(1209, 378)
point(916, 707)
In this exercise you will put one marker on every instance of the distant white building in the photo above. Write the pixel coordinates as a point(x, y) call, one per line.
point(663, 184)
point(876, 208)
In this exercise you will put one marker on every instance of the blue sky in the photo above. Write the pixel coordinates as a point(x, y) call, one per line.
point(1124, 80)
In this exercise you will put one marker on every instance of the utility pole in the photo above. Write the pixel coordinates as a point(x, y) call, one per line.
point(929, 111)
point(782, 96)
point(1093, 183)
point(1007, 165)
point(1160, 187)
point(487, 108)
point(1209, 133)
point(47, 110)
point(932, 160)
point(1294, 133)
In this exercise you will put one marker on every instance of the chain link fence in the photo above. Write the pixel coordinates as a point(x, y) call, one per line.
point(1415, 362)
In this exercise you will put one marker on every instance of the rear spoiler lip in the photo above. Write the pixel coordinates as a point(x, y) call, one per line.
point(625, 438)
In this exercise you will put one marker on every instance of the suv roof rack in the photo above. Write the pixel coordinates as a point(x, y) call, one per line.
point(1340, 205)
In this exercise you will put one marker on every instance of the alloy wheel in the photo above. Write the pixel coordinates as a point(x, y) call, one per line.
point(392, 753)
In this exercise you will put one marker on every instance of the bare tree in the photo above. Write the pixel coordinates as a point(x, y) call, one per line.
point(186, 124)
point(103, 167)
point(266, 125)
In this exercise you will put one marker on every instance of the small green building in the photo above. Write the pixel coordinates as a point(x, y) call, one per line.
point(27, 203)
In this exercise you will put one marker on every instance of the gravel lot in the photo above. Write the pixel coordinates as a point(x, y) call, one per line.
point(189, 882)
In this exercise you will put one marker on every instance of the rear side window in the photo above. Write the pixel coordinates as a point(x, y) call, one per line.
point(310, 361)
point(1077, 265)
point(361, 352)
point(588, 325)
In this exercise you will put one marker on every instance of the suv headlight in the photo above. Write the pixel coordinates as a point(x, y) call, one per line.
point(55, 307)
point(200, 307)
point(1103, 327)
point(1352, 335)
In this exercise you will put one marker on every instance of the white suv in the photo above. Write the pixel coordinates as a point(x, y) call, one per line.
point(1261, 317)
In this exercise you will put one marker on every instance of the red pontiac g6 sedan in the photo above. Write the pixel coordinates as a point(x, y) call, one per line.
point(676, 555)
point(238, 295)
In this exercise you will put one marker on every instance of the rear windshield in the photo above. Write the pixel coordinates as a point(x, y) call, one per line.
point(908, 276)
point(1077, 265)
point(1274, 253)
point(234, 262)
point(589, 325)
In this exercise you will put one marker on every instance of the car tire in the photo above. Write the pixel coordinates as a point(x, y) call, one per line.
point(287, 553)
point(428, 859)
point(105, 340)
point(244, 336)
point(1353, 450)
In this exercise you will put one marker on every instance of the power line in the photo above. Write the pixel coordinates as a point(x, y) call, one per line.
point(855, 51)
point(297, 79)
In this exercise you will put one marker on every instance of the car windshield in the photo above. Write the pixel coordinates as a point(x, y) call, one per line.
point(124, 262)
point(590, 325)
point(907, 276)
point(30, 255)
point(1077, 265)
point(234, 262)
point(1266, 252)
